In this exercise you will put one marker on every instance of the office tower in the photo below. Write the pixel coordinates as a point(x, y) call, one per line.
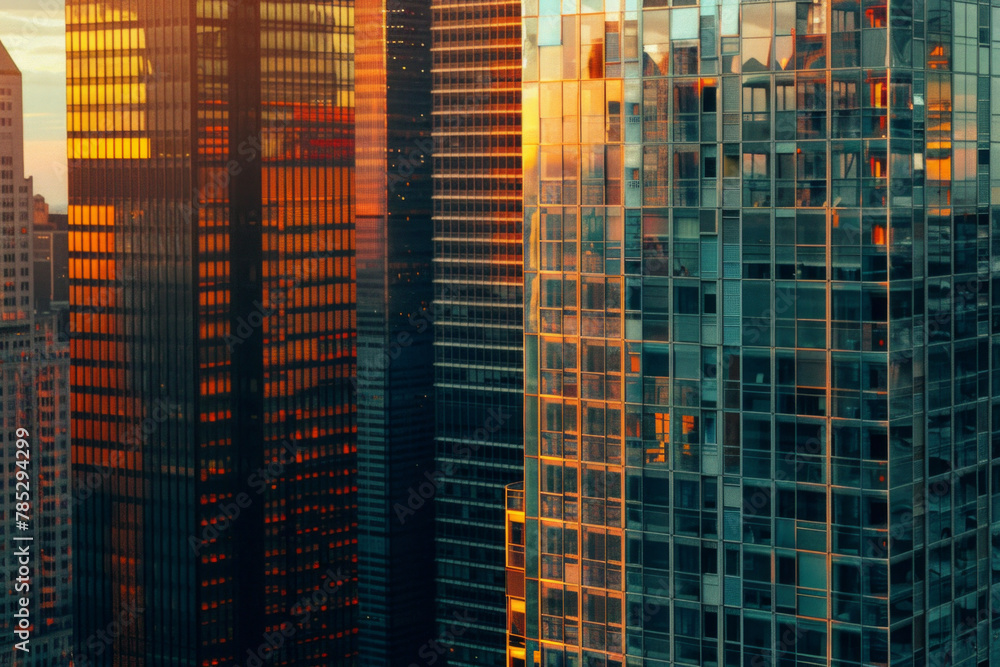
point(760, 423)
point(34, 396)
point(16, 204)
point(396, 476)
point(478, 309)
point(212, 307)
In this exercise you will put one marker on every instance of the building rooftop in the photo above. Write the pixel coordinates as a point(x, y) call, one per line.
point(7, 66)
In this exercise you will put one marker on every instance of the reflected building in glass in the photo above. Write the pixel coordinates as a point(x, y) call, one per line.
point(212, 314)
point(478, 301)
point(760, 337)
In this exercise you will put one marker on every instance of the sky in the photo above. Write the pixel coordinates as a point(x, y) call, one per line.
point(34, 33)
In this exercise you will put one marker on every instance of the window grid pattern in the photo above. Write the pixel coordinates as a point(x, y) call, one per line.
point(212, 310)
point(757, 286)
point(479, 310)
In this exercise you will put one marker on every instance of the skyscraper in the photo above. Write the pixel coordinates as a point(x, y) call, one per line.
point(478, 314)
point(396, 475)
point(16, 203)
point(212, 309)
point(760, 337)
point(34, 412)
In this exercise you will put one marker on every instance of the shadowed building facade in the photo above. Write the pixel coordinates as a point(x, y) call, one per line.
point(760, 336)
point(397, 481)
point(212, 315)
point(478, 309)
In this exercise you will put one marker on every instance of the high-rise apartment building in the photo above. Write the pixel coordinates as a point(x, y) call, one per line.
point(761, 418)
point(212, 307)
point(34, 400)
point(478, 314)
point(396, 476)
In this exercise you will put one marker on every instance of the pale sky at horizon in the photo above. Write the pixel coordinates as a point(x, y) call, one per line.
point(34, 33)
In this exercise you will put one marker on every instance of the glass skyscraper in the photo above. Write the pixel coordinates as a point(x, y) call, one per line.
point(760, 336)
point(395, 381)
point(212, 314)
point(478, 313)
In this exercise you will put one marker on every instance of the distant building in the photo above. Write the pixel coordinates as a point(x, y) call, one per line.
point(50, 255)
point(34, 396)
point(41, 210)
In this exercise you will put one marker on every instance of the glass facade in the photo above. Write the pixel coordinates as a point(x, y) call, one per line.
point(395, 382)
point(212, 314)
point(478, 308)
point(759, 336)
